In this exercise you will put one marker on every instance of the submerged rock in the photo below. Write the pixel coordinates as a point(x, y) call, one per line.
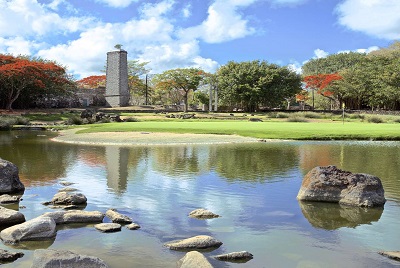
point(10, 217)
point(108, 227)
point(64, 198)
point(330, 184)
point(202, 213)
point(7, 256)
point(68, 189)
point(47, 258)
point(117, 217)
point(9, 199)
point(75, 216)
point(40, 228)
point(194, 259)
point(133, 226)
point(196, 242)
point(241, 256)
point(395, 255)
point(9, 179)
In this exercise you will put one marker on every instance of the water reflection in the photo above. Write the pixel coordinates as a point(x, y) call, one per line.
point(332, 216)
point(117, 167)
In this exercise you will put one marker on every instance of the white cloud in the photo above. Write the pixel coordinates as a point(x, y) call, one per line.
point(224, 23)
point(319, 53)
point(186, 11)
point(176, 55)
point(117, 3)
point(19, 46)
point(157, 10)
point(29, 18)
point(379, 18)
point(361, 50)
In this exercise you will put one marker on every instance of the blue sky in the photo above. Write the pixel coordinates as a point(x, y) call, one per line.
point(194, 33)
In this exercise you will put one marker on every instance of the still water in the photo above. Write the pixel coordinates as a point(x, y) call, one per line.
point(252, 186)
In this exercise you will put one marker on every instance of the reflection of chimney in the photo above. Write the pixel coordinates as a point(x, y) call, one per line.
point(117, 168)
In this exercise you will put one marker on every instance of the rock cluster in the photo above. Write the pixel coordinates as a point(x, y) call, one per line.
point(330, 184)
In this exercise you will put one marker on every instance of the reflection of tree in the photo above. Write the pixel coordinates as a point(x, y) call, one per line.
point(37, 159)
point(333, 216)
point(252, 162)
point(176, 160)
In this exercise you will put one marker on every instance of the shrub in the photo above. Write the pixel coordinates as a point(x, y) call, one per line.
point(296, 118)
point(375, 119)
point(282, 115)
point(20, 120)
point(397, 120)
point(74, 120)
point(131, 119)
point(6, 123)
point(312, 115)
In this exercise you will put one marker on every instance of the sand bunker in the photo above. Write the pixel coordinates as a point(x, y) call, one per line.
point(146, 138)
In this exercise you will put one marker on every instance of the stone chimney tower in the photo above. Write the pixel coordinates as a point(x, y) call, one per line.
point(117, 90)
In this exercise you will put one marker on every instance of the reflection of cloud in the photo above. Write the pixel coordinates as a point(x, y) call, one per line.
point(333, 216)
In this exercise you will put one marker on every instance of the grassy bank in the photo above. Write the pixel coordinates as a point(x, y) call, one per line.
point(263, 130)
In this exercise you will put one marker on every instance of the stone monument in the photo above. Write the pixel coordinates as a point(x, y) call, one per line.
point(117, 90)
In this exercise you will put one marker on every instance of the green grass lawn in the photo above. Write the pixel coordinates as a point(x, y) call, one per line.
point(263, 130)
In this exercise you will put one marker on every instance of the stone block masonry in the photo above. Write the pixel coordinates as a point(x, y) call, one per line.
point(117, 90)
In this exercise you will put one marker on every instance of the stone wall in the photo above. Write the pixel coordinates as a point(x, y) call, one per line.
point(117, 90)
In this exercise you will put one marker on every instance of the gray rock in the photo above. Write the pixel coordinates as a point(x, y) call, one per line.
point(395, 255)
point(8, 199)
point(133, 226)
point(64, 198)
point(330, 184)
point(194, 259)
point(9, 179)
point(108, 227)
point(117, 217)
point(196, 242)
point(7, 256)
point(10, 217)
point(49, 258)
point(202, 213)
point(66, 183)
point(241, 256)
point(40, 228)
point(75, 216)
point(68, 189)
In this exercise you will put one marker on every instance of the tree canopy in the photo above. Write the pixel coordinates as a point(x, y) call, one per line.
point(249, 85)
point(179, 82)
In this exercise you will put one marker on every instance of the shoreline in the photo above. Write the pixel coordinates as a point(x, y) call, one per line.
point(147, 138)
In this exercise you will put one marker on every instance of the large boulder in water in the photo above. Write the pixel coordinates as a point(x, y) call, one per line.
point(330, 184)
point(40, 228)
point(9, 179)
point(47, 258)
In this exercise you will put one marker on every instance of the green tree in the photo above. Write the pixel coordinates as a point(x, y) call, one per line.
point(139, 82)
point(179, 82)
point(248, 85)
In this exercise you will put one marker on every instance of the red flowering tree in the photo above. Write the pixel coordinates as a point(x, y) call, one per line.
point(20, 74)
point(93, 81)
point(321, 83)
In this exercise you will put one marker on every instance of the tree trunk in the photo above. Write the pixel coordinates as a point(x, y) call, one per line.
point(185, 101)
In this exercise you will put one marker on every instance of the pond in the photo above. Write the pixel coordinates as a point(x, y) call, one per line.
point(253, 186)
